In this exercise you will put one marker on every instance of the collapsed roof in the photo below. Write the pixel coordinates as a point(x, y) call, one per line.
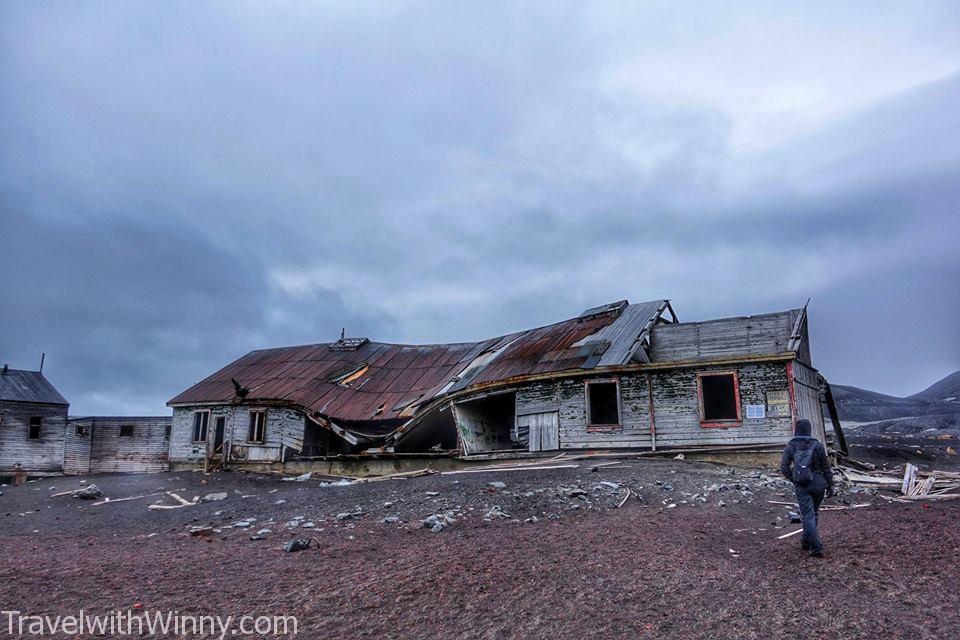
point(365, 390)
point(355, 380)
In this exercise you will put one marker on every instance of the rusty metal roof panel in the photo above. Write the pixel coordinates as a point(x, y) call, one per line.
point(400, 375)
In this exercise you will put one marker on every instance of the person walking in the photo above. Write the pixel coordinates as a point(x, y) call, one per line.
point(804, 463)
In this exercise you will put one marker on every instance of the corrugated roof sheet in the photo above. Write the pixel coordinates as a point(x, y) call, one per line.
point(17, 385)
point(400, 375)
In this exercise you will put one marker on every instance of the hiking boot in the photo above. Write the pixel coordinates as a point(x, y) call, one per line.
point(804, 545)
point(817, 553)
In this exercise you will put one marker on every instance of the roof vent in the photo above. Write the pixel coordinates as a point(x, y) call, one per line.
point(613, 308)
point(348, 344)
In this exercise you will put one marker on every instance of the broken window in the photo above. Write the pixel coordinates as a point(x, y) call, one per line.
point(126, 431)
point(200, 421)
point(603, 404)
point(81, 430)
point(719, 397)
point(258, 426)
point(36, 423)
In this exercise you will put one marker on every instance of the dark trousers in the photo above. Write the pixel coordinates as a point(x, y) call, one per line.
point(809, 498)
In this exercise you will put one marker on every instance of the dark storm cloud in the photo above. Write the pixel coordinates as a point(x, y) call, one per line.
point(182, 182)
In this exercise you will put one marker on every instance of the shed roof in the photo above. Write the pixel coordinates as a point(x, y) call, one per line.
point(396, 378)
point(17, 385)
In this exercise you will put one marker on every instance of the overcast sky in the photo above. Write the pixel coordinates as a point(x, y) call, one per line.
point(181, 183)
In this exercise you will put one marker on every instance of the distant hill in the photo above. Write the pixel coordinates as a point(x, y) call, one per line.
point(947, 389)
point(859, 405)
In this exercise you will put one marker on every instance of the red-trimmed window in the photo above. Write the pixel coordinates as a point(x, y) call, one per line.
point(603, 405)
point(719, 396)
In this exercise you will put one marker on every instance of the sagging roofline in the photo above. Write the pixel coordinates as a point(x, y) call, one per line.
point(439, 402)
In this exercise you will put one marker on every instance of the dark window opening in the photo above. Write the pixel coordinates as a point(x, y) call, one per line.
point(81, 430)
point(126, 431)
point(200, 421)
point(166, 432)
point(603, 405)
point(36, 423)
point(719, 397)
point(258, 426)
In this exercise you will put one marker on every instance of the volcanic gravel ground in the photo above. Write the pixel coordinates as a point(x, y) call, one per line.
point(695, 570)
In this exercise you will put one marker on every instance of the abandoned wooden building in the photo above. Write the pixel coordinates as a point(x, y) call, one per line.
point(117, 444)
point(33, 422)
point(37, 438)
point(618, 376)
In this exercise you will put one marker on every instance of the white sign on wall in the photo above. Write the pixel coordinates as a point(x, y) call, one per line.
point(756, 411)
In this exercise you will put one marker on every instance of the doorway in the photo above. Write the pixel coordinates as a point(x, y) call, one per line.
point(219, 427)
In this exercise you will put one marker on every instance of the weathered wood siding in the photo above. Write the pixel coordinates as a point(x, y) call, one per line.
point(76, 450)
point(677, 408)
point(285, 427)
point(479, 432)
point(43, 455)
point(807, 389)
point(725, 338)
point(146, 451)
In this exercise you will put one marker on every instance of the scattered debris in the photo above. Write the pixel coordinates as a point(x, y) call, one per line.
point(89, 492)
point(214, 497)
point(300, 544)
point(301, 478)
point(438, 522)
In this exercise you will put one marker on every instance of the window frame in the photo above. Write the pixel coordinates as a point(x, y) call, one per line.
point(206, 426)
point(601, 428)
point(38, 426)
point(263, 427)
point(121, 434)
point(714, 423)
point(80, 430)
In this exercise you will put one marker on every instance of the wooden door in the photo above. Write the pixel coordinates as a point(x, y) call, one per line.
point(544, 430)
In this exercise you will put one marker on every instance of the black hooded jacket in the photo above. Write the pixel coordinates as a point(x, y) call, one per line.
point(801, 441)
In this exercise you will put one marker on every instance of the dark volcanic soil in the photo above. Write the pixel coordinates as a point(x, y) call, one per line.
point(647, 570)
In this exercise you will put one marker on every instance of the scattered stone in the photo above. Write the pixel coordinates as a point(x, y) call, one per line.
point(350, 515)
point(201, 531)
point(89, 492)
point(794, 517)
point(439, 521)
point(280, 502)
point(215, 497)
point(242, 524)
point(392, 520)
point(721, 504)
point(610, 485)
point(432, 493)
point(495, 511)
point(299, 544)
point(498, 485)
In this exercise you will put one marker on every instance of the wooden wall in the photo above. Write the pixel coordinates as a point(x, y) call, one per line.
point(728, 337)
point(146, 451)
point(44, 455)
point(807, 389)
point(676, 409)
point(285, 428)
point(76, 450)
